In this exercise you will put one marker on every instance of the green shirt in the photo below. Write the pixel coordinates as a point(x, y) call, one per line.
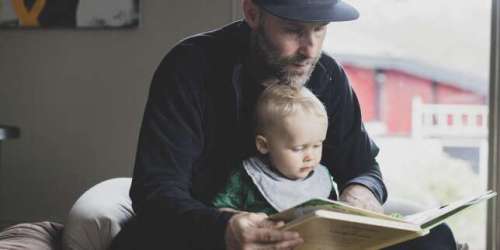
point(240, 193)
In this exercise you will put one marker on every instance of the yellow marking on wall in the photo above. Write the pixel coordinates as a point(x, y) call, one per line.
point(28, 17)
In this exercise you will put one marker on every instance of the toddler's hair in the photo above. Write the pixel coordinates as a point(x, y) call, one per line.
point(278, 101)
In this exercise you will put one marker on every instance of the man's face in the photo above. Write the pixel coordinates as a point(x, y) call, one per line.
point(289, 50)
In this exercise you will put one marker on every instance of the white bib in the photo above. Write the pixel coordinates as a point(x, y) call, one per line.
point(283, 193)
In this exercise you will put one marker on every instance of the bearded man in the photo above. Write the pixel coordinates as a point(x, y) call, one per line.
point(198, 125)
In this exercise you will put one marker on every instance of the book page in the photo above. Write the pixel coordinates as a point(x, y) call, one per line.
point(325, 204)
point(433, 216)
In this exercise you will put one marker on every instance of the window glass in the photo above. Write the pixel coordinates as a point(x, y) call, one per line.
point(420, 71)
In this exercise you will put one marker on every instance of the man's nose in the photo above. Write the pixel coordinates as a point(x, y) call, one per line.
point(308, 43)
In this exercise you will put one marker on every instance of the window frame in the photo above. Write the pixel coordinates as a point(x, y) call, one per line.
point(493, 223)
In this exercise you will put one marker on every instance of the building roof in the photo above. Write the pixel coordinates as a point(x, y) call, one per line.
point(461, 80)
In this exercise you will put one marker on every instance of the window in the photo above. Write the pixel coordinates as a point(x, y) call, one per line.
point(434, 116)
point(421, 71)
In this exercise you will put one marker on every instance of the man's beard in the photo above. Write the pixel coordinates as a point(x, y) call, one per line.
point(270, 66)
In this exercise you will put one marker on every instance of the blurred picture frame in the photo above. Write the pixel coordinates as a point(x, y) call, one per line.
point(85, 14)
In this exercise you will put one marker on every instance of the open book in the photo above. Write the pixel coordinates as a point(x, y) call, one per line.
point(326, 224)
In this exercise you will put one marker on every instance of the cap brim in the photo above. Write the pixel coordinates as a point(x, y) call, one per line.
point(337, 12)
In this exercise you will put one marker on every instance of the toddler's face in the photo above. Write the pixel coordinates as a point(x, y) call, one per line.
point(295, 146)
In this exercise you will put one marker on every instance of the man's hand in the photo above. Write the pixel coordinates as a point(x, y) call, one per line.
point(360, 196)
point(254, 231)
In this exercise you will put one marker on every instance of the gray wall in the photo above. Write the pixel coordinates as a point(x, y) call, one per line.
point(78, 98)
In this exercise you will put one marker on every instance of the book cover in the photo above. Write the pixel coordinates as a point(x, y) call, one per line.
point(326, 224)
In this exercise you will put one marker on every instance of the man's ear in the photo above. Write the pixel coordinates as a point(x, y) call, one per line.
point(261, 143)
point(251, 12)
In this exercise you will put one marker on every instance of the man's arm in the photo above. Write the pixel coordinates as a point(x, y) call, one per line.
point(171, 144)
point(348, 150)
point(171, 141)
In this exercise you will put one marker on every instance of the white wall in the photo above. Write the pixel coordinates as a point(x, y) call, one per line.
point(78, 98)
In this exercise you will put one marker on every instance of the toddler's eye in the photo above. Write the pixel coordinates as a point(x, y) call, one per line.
point(297, 149)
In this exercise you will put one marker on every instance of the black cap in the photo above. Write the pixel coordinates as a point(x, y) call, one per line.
point(310, 10)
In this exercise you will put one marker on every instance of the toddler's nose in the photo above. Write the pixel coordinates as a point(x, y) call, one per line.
point(307, 158)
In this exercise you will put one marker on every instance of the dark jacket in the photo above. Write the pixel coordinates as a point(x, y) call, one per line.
point(198, 125)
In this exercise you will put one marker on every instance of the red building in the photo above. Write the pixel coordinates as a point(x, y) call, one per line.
point(386, 87)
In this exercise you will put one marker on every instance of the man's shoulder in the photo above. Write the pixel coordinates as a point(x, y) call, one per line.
point(328, 74)
point(219, 48)
point(230, 37)
point(329, 63)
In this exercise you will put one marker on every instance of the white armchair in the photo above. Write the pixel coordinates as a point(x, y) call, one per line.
point(99, 214)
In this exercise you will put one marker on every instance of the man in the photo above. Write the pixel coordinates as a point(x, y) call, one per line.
point(198, 125)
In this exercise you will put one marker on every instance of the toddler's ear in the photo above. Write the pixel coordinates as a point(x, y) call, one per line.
point(261, 143)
